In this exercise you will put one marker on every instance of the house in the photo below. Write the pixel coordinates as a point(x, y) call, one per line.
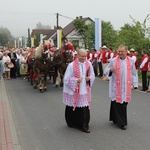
point(69, 32)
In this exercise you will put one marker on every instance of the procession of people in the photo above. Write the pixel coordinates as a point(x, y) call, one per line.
point(121, 67)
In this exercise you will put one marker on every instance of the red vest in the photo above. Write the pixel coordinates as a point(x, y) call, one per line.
point(109, 54)
point(49, 46)
point(145, 68)
point(99, 54)
point(104, 58)
point(88, 55)
point(93, 55)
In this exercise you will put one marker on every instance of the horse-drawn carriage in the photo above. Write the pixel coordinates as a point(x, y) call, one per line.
point(44, 65)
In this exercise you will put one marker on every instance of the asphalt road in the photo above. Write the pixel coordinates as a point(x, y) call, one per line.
point(40, 122)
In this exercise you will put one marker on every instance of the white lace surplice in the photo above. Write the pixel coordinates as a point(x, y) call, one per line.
point(70, 83)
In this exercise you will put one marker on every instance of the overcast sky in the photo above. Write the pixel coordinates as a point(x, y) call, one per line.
point(19, 15)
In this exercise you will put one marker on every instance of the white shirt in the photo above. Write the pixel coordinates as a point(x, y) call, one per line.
point(143, 63)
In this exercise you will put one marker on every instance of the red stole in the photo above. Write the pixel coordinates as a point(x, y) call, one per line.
point(77, 75)
point(128, 81)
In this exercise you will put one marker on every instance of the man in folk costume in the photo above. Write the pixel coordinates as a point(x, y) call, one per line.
point(78, 80)
point(148, 76)
point(104, 60)
point(89, 55)
point(134, 57)
point(110, 54)
point(99, 59)
point(123, 77)
point(144, 69)
point(94, 61)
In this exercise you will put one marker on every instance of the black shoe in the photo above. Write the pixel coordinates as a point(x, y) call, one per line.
point(123, 127)
point(86, 130)
point(114, 123)
point(70, 125)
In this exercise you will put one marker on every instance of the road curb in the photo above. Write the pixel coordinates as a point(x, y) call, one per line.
point(9, 116)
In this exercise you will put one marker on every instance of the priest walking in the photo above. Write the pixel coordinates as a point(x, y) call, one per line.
point(123, 77)
point(78, 80)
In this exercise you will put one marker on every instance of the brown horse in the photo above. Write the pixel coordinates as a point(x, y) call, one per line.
point(42, 65)
point(61, 59)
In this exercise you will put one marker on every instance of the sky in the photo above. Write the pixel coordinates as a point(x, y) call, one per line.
point(19, 15)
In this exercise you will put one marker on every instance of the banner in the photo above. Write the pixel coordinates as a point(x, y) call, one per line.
point(32, 41)
point(18, 43)
point(60, 38)
point(25, 43)
point(15, 43)
point(98, 34)
point(41, 37)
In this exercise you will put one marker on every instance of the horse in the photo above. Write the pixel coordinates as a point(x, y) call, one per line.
point(42, 65)
point(61, 59)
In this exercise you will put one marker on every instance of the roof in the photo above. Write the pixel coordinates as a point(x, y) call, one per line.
point(41, 31)
point(51, 33)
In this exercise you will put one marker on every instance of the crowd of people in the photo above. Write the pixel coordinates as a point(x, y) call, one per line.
point(14, 62)
point(101, 58)
point(120, 67)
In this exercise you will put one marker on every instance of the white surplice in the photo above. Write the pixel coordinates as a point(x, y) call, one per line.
point(112, 78)
point(70, 83)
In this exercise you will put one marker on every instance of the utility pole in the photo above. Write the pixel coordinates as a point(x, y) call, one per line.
point(57, 16)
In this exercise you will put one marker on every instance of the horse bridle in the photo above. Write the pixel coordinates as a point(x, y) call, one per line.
point(65, 58)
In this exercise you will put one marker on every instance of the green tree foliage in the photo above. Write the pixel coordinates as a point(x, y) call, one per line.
point(135, 36)
point(129, 35)
point(86, 31)
point(143, 30)
point(109, 34)
point(5, 36)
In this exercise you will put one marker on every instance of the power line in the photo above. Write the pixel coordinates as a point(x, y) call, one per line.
point(24, 19)
point(24, 13)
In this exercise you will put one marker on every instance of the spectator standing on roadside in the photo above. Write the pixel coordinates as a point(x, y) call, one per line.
point(144, 69)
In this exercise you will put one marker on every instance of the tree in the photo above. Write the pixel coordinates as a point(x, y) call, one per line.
point(86, 31)
point(141, 27)
point(39, 25)
point(129, 35)
point(109, 35)
point(135, 35)
point(5, 36)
